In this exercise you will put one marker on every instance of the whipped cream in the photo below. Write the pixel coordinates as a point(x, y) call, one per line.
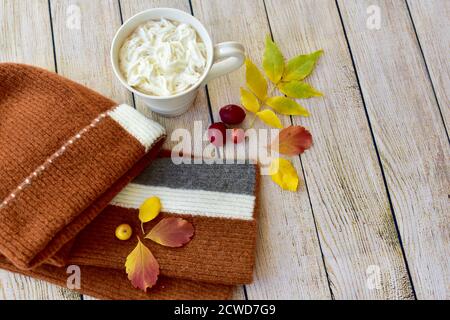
point(163, 57)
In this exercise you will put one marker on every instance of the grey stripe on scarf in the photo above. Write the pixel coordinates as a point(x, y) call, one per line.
point(229, 178)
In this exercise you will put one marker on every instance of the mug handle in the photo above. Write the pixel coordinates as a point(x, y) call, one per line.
point(228, 56)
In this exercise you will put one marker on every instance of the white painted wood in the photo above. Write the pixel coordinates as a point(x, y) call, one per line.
point(346, 190)
point(25, 33)
point(288, 260)
point(15, 286)
point(26, 37)
point(432, 22)
point(82, 54)
point(410, 136)
point(347, 193)
point(238, 293)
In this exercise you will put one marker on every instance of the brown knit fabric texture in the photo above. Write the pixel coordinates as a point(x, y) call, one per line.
point(39, 112)
point(112, 284)
point(62, 217)
point(222, 250)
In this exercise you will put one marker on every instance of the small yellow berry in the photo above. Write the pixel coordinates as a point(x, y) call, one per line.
point(124, 232)
point(149, 210)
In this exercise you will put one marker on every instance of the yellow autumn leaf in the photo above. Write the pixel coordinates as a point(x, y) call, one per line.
point(255, 80)
point(284, 174)
point(298, 89)
point(270, 118)
point(141, 267)
point(287, 106)
point(150, 209)
point(273, 61)
point(301, 66)
point(249, 101)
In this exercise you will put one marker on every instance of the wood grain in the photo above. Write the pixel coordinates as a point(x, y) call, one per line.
point(25, 33)
point(410, 136)
point(345, 214)
point(238, 293)
point(432, 23)
point(347, 192)
point(288, 259)
point(83, 54)
point(15, 286)
point(26, 37)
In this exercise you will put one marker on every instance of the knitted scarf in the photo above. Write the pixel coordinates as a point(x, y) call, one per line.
point(75, 165)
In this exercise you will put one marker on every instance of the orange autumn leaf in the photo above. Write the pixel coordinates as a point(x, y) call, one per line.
point(293, 140)
point(171, 232)
point(142, 267)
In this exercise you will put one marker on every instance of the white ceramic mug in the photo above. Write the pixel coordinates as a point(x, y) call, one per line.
point(222, 58)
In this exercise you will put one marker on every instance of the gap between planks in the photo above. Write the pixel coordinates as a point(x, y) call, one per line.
point(401, 103)
point(347, 191)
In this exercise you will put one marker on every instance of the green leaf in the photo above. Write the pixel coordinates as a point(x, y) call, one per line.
point(300, 67)
point(273, 61)
point(287, 106)
point(298, 89)
point(270, 118)
point(255, 80)
point(249, 101)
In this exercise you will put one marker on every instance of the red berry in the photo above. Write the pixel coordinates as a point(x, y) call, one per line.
point(232, 114)
point(217, 133)
point(237, 135)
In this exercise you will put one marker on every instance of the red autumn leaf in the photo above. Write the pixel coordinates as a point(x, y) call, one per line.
point(171, 232)
point(293, 140)
point(142, 267)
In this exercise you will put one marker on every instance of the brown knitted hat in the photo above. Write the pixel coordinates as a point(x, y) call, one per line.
point(63, 152)
point(61, 176)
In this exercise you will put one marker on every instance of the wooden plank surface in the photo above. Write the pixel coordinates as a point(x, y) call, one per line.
point(347, 192)
point(340, 230)
point(14, 286)
point(26, 37)
point(432, 24)
point(410, 136)
point(288, 259)
point(82, 54)
point(25, 33)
